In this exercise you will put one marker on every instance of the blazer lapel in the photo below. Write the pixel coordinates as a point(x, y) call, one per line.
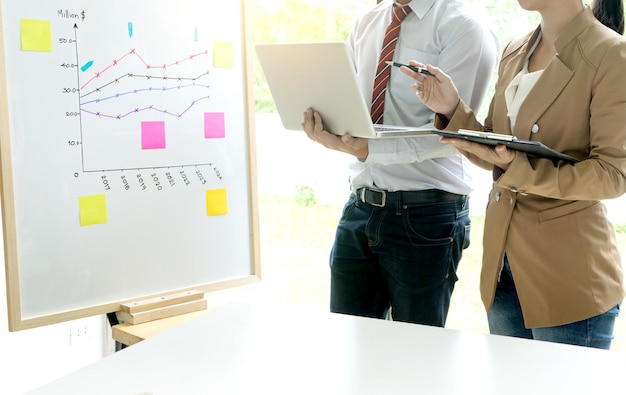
point(555, 78)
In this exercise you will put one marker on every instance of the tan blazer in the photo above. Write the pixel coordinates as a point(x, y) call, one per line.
point(547, 216)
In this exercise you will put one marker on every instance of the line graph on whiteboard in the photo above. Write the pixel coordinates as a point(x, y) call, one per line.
point(145, 100)
point(159, 105)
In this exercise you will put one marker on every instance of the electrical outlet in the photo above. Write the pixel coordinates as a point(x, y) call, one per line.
point(79, 334)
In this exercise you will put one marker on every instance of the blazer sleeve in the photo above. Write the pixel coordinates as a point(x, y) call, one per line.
point(603, 174)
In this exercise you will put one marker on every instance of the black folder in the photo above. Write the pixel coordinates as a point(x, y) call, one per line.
point(532, 148)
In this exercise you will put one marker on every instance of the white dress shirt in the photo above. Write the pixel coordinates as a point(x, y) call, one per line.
point(441, 33)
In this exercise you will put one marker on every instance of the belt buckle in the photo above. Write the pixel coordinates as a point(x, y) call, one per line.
point(383, 194)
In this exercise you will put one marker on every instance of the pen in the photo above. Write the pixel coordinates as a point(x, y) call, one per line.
point(420, 70)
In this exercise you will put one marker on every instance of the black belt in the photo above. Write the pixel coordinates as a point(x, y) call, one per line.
point(380, 198)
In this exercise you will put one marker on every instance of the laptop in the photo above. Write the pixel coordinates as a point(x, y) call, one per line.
point(322, 76)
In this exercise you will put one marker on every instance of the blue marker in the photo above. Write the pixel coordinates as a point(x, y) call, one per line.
point(86, 66)
point(130, 29)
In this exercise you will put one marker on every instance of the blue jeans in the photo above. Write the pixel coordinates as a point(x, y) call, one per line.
point(402, 257)
point(505, 318)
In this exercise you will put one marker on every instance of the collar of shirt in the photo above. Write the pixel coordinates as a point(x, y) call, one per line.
point(419, 8)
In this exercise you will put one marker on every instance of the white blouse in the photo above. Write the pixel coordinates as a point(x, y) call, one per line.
point(518, 90)
point(520, 86)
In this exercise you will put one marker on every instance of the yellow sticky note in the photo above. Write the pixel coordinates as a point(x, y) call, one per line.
point(93, 209)
point(36, 35)
point(223, 55)
point(216, 202)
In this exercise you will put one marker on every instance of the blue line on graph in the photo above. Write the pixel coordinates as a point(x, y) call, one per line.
point(135, 91)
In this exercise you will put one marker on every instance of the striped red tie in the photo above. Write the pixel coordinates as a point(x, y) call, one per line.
point(386, 54)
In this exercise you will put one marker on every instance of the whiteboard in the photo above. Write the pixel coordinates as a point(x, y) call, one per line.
point(126, 153)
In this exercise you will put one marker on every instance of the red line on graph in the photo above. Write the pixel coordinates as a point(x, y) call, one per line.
point(148, 66)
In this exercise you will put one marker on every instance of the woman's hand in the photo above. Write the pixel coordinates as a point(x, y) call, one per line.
point(436, 91)
point(314, 129)
point(499, 155)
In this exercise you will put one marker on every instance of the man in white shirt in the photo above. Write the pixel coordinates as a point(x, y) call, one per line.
point(406, 223)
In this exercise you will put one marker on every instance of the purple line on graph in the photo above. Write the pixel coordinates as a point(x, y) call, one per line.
point(148, 108)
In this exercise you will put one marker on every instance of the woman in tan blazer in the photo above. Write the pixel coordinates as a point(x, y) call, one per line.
point(551, 268)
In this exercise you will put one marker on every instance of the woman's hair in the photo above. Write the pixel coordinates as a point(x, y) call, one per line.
point(610, 13)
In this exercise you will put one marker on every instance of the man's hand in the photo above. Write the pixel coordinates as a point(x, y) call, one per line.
point(314, 129)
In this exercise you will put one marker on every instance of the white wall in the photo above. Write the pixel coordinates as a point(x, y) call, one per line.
point(33, 357)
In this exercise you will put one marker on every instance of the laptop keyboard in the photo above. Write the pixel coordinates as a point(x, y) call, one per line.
point(382, 128)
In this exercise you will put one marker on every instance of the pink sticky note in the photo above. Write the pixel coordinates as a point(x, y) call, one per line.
point(214, 125)
point(153, 135)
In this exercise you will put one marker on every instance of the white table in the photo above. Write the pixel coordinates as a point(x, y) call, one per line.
point(243, 349)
